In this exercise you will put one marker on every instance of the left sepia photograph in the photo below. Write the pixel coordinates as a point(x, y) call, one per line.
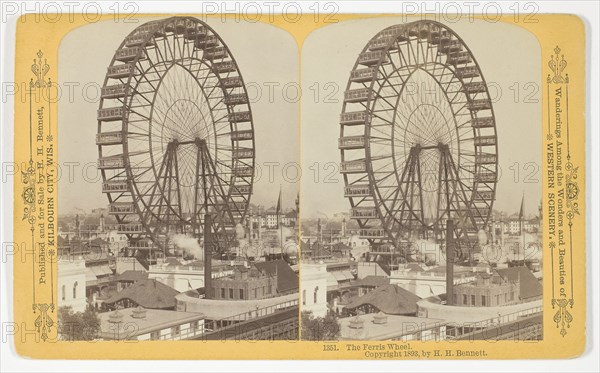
point(170, 226)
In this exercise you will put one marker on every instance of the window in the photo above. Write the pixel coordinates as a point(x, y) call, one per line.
point(472, 299)
point(483, 300)
point(155, 336)
point(455, 299)
point(255, 293)
point(315, 294)
point(230, 293)
point(176, 331)
point(512, 295)
point(223, 293)
point(194, 325)
point(270, 289)
point(464, 299)
point(75, 290)
point(304, 297)
point(241, 293)
point(64, 292)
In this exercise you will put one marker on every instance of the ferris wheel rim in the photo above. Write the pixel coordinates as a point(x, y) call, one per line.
point(241, 203)
point(356, 201)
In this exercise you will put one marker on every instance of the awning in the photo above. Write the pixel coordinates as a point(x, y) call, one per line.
point(103, 270)
point(90, 276)
point(342, 275)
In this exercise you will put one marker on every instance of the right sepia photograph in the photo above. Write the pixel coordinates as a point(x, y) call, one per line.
point(422, 218)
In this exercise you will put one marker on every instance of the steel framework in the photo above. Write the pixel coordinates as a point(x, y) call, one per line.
point(418, 136)
point(175, 134)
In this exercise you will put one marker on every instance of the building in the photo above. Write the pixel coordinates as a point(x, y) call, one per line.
point(183, 277)
point(287, 279)
point(314, 250)
point(530, 289)
point(486, 291)
point(388, 299)
point(532, 225)
point(245, 284)
point(248, 292)
point(256, 281)
point(511, 293)
point(150, 324)
point(289, 219)
point(370, 283)
point(427, 282)
point(313, 288)
point(99, 261)
point(150, 294)
point(272, 218)
point(128, 278)
point(71, 284)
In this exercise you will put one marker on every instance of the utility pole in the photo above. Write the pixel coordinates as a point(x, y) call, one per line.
point(450, 248)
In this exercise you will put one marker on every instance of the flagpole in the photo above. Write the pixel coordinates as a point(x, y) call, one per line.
point(521, 213)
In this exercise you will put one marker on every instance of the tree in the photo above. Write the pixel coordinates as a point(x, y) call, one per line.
point(78, 326)
point(319, 328)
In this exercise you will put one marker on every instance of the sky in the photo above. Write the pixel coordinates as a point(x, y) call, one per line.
point(507, 55)
point(267, 57)
point(287, 144)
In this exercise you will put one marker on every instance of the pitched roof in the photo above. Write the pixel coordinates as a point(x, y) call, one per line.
point(148, 294)
point(390, 299)
point(530, 287)
point(374, 281)
point(132, 276)
point(287, 279)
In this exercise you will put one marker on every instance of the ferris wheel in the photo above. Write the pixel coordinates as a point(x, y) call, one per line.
point(175, 134)
point(418, 136)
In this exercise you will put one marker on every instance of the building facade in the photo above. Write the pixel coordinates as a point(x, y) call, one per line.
point(71, 284)
point(313, 288)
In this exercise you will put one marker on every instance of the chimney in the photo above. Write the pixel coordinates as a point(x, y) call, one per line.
point(208, 243)
point(450, 248)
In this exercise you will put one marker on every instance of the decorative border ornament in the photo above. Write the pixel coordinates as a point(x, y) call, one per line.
point(34, 179)
point(557, 65)
point(565, 191)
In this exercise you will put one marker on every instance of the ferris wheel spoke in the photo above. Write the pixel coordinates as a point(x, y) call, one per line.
point(176, 99)
point(437, 121)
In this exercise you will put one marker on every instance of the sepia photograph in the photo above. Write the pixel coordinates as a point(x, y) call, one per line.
point(169, 229)
point(425, 223)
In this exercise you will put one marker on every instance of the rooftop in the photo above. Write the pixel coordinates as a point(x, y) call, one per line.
point(148, 294)
point(394, 326)
point(132, 276)
point(389, 299)
point(131, 326)
point(530, 286)
point(373, 281)
point(287, 279)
